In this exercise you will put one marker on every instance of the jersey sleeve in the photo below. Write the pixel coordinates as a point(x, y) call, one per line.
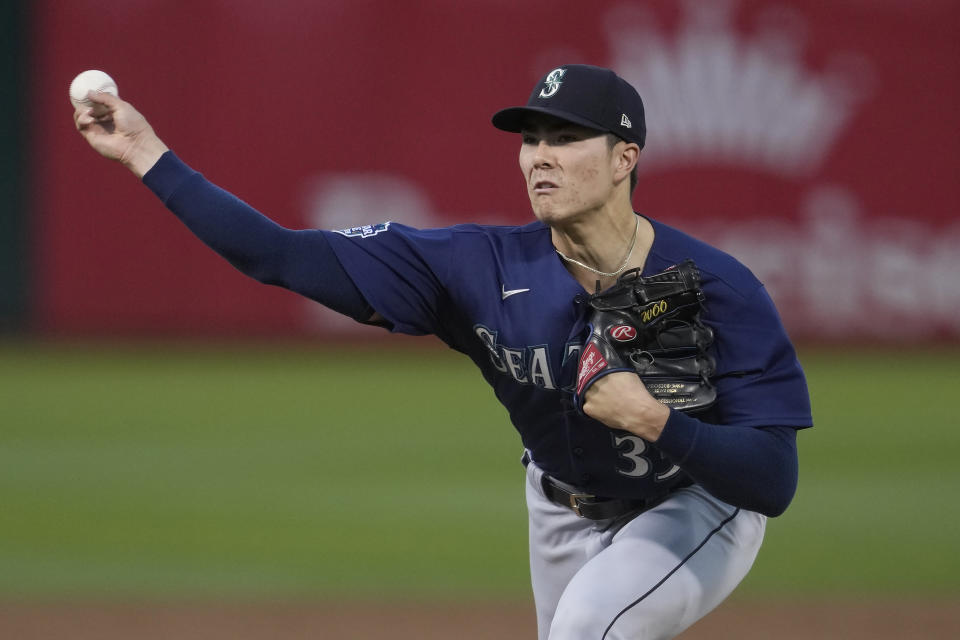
point(759, 379)
point(401, 272)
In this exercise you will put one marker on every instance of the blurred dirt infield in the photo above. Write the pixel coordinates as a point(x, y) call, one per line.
point(463, 621)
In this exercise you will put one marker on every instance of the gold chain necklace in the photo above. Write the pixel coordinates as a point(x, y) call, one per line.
point(623, 266)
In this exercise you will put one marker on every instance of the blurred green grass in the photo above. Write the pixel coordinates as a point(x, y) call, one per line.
point(876, 511)
point(194, 470)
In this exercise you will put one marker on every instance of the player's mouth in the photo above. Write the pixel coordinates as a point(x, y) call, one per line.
point(544, 186)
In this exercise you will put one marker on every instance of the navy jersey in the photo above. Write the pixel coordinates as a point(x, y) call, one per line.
point(502, 296)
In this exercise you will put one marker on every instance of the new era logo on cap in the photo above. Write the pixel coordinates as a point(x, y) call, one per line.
point(590, 96)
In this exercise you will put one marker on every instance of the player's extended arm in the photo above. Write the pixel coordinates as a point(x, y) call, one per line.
point(301, 261)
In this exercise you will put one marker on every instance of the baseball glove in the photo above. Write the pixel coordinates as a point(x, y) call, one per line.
point(651, 325)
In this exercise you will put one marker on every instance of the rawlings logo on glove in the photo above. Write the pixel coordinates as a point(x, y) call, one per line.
point(652, 326)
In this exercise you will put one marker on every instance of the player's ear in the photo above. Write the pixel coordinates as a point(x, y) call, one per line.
point(626, 155)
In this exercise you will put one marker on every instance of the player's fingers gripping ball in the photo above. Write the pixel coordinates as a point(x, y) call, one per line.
point(651, 326)
point(91, 80)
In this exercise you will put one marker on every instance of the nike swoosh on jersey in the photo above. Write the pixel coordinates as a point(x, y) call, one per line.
point(512, 292)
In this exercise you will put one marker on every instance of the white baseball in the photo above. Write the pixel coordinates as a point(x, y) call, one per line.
point(91, 80)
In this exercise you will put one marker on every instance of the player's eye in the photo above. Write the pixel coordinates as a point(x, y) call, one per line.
point(528, 138)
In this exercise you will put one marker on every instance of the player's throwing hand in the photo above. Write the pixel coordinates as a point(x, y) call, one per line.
point(121, 133)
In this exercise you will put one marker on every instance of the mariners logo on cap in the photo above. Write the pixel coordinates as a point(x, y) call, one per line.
point(553, 83)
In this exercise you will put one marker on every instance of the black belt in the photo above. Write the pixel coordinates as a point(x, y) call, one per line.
point(587, 505)
point(591, 507)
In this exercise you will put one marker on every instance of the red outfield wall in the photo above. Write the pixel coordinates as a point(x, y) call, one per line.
point(818, 141)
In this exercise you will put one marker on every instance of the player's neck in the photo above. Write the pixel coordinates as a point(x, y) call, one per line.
point(610, 243)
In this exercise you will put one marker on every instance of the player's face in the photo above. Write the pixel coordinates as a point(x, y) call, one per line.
point(568, 169)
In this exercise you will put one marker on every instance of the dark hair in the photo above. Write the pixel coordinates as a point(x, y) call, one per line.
point(612, 140)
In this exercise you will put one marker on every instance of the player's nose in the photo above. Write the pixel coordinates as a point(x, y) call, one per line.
point(543, 156)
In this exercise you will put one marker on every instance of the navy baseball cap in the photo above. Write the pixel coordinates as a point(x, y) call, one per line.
point(586, 95)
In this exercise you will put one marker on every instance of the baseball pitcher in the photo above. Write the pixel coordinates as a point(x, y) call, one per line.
point(654, 389)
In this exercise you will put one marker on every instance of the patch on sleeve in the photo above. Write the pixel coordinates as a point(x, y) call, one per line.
point(365, 231)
